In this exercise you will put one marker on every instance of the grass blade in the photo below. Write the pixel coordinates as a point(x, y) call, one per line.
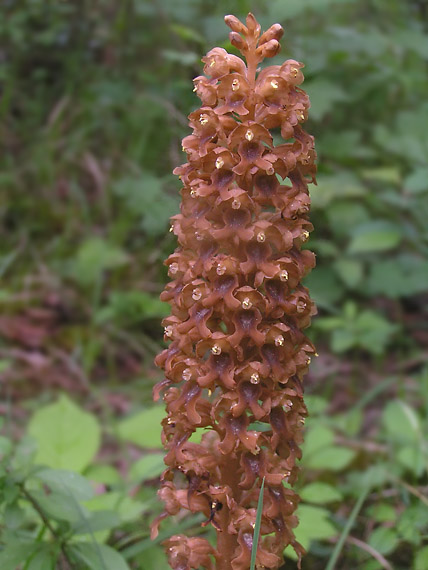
point(256, 534)
point(347, 529)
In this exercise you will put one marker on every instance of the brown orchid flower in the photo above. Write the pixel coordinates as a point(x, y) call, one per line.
point(237, 354)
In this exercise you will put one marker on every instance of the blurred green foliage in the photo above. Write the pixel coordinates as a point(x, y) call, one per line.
point(94, 99)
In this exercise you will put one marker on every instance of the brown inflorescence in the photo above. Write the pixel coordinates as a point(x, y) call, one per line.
point(237, 354)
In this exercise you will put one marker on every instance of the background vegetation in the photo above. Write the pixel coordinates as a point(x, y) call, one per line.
point(93, 108)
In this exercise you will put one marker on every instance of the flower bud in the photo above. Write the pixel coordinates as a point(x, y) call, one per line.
point(269, 49)
point(238, 41)
point(275, 32)
point(235, 24)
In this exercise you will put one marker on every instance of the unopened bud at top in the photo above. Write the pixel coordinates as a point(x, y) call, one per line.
point(235, 24)
point(269, 49)
point(275, 32)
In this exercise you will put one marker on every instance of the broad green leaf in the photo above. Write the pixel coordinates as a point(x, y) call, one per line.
point(373, 332)
point(154, 558)
point(403, 276)
point(342, 340)
point(94, 256)
point(99, 556)
point(421, 559)
point(325, 288)
point(66, 481)
point(390, 174)
point(5, 446)
point(143, 428)
point(324, 96)
point(417, 181)
point(14, 554)
point(60, 506)
point(128, 509)
point(349, 422)
point(105, 474)
point(316, 438)
point(375, 236)
point(43, 560)
point(320, 493)
point(13, 515)
point(96, 521)
point(330, 188)
point(413, 458)
point(314, 524)
point(384, 540)
point(147, 467)
point(413, 522)
point(316, 404)
point(144, 196)
point(130, 307)
point(413, 40)
point(332, 458)
point(67, 437)
point(402, 422)
point(350, 271)
point(382, 512)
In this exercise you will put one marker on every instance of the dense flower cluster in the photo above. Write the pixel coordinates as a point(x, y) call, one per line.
point(237, 353)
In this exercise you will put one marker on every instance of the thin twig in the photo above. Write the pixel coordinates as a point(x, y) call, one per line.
point(370, 550)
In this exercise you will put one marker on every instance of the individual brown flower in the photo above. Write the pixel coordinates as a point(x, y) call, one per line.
point(237, 355)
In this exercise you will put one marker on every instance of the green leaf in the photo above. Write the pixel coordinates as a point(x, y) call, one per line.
point(389, 174)
point(105, 474)
point(154, 558)
point(144, 196)
point(94, 256)
point(402, 422)
point(375, 236)
point(417, 181)
point(373, 332)
point(403, 276)
point(45, 559)
point(324, 96)
point(413, 523)
point(317, 437)
point(413, 458)
point(99, 556)
point(330, 188)
point(421, 559)
point(127, 509)
point(320, 493)
point(130, 307)
point(14, 554)
point(147, 467)
point(96, 522)
point(316, 404)
point(325, 289)
point(384, 540)
point(67, 437)
point(350, 271)
point(144, 428)
point(68, 481)
point(60, 506)
point(349, 422)
point(5, 446)
point(382, 512)
point(332, 458)
point(13, 515)
point(314, 524)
